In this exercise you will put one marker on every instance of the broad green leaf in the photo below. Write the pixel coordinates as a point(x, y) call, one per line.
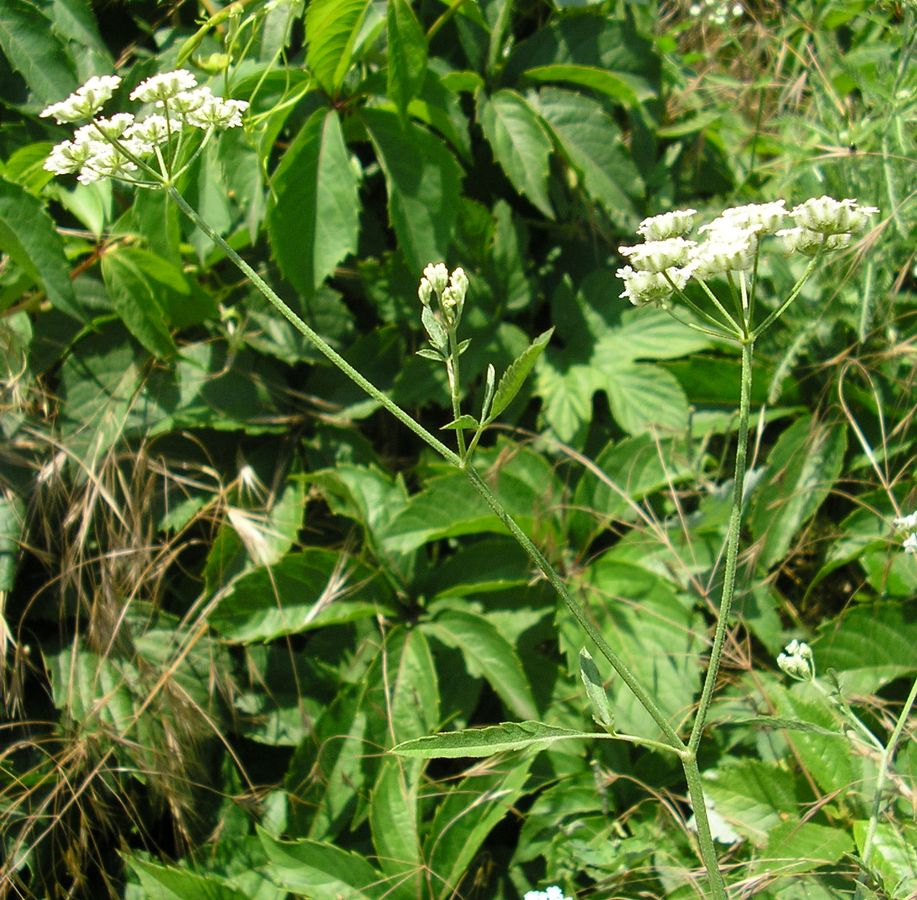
point(423, 181)
point(520, 144)
point(12, 526)
point(393, 820)
point(514, 377)
point(170, 883)
point(459, 828)
point(566, 391)
point(302, 592)
point(441, 109)
point(28, 235)
point(869, 646)
point(643, 397)
point(629, 89)
point(645, 334)
point(407, 54)
point(314, 222)
point(74, 22)
point(332, 27)
point(801, 470)
point(477, 742)
point(795, 846)
point(479, 568)
point(753, 796)
point(487, 655)
point(591, 142)
point(894, 855)
point(318, 869)
point(595, 690)
point(34, 50)
point(135, 299)
point(781, 723)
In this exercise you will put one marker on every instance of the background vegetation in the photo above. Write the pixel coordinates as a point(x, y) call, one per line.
point(228, 584)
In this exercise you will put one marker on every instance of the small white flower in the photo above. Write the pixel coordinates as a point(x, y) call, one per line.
point(768, 217)
point(667, 225)
point(829, 216)
point(807, 242)
point(551, 893)
point(86, 101)
point(438, 276)
point(164, 86)
point(729, 248)
point(111, 128)
point(657, 256)
point(69, 157)
point(186, 102)
point(796, 661)
point(906, 523)
point(215, 112)
point(650, 287)
point(910, 543)
point(153, 129)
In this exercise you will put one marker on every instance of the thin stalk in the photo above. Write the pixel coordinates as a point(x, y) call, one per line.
point(732, 550)
point(576, 610)
point(454, 389)
point(777, 313)
point(324, 348)
point(704, 837)
point(671, 737)
point(888, 754)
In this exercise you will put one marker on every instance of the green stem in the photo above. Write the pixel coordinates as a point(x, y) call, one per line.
point(324, 348)
point(885, 761)
point(732, 549)
point(777, 313)
point(672, 738)
point(704, 838)
point(575, 609)
point(453, 370)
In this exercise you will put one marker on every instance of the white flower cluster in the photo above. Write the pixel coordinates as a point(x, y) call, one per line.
point(449, 289)
point(667, 261)
point(118, 146)
point(717, 12)
point(552, 893)
point(908, 525)
point(796, 660)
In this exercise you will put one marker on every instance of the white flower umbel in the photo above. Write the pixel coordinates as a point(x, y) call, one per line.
point(826, 215)
point(667, 225)
point(120, 146)
point(642, 288)
point(551, 893)
point(657, 256)
point(164, 86)
point(85, 102)
point(728, 248)
point(906, 523)
point(765, 217)
point(796, 661)
point(910, 543)
point(808, 243)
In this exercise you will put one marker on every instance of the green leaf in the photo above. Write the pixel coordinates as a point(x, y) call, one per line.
point(644, 396)
point(894, 855)
point(423, 181)
point(801, 470)
point(629, 89)
point(487, 654)
point(12, 527)
point(332, 27)
point(520, 144)
point(595, 690)
point(34, 51)
point(591, 142)
point(302, 592)
point(28, 235)
point(407, 54)
point(126, 272)
point(318, 869)
point(514, 377)
point(478, 742)
point(464, 422)
point(170, 883)
point(314, 221)
point(74, 22)
point(794, 847)
point(393, 821)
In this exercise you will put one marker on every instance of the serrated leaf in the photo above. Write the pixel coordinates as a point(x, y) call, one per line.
point(514, 377)
point(423, 180)
point(462, 422)
point(28, 235)
point(171, 883)
point(332, 27)
point(644, 396)
point(520, 144)
point(629, 89)
point(478, 742)
point(407, 54)
point(595, 690)
point(314, 222)
point(136, 302)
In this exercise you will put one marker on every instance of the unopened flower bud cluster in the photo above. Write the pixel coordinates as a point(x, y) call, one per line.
point(908, 526)
point(118, 146)
point(449, 289)
point(796, 661)
point(667, 260)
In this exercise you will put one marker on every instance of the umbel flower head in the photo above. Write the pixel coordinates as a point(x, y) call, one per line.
point(731, 242)
point(140, 151)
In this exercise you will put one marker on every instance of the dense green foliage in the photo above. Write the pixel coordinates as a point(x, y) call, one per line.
point(229, 584)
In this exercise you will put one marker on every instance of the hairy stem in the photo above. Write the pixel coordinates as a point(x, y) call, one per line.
point(717, 886)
